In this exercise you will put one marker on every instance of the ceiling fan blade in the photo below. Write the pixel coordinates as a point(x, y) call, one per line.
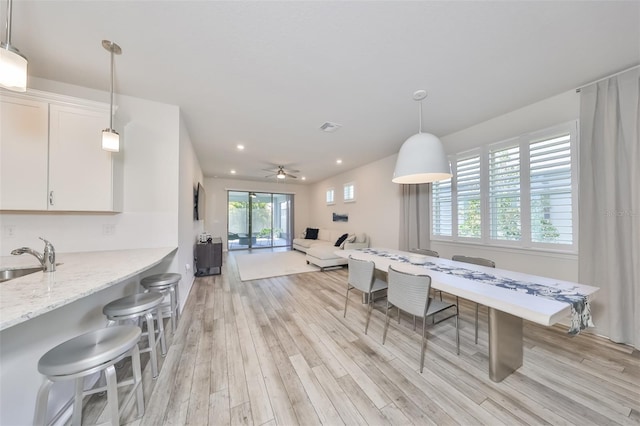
point(291, 176)
point(292, 170)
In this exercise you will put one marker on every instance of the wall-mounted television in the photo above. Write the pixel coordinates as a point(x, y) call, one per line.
point(199, 202)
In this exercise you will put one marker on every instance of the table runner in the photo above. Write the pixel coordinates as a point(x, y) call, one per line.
point(580, 307)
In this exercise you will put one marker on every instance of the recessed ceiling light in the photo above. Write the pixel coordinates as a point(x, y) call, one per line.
point(328, 126)
point(338, 161)
point(303, 178)
point(240, 147)
point(233, 172)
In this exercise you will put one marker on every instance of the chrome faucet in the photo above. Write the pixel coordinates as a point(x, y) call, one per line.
point(46, 259)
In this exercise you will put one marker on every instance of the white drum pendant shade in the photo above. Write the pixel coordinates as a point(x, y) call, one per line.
point(421, 159)
point(13, 70)
point(110, 140)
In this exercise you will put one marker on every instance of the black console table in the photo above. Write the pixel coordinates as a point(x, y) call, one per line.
point(209, 258)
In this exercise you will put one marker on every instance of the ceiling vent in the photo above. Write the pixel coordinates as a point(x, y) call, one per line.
point(330, 127)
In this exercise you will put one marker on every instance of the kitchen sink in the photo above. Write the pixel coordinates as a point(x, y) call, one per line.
point(8, 274)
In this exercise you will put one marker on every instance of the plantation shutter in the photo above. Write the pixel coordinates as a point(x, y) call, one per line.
point(504, 194)
point(469, 205)
point(550, 175)
point(441, 217)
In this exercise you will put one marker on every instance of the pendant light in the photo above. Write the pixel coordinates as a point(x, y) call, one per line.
point(111, 138)
point(421, 158)
point(13, 65)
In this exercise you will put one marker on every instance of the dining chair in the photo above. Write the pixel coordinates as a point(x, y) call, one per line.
point(431, 253)
point(410, 293)
point(362, 277)
point(425, 252)
point(476, 261)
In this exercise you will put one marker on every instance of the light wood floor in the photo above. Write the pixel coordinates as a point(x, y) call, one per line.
point(279, 352)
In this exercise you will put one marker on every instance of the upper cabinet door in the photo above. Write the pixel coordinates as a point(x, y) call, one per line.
point(80, 172)
point(23, 153)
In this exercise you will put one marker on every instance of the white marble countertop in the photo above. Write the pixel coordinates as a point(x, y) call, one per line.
point(78, 275)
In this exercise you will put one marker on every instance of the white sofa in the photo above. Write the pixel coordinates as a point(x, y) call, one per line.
point(321, 252)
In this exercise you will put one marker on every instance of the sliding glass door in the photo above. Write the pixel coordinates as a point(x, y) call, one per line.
point(259, 220)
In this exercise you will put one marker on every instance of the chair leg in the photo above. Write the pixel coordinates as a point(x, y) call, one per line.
point(161, 335)
point(369, 309)
point(41, 403)
point(137, 380)
point(386, 324)
point(476, 323)
point(346, 301)
point(423, 344)
point(153, 351)
point(457, 334)
point(112, 395)
point(76, 417)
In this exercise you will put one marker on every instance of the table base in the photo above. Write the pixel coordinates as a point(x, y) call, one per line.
point(505, 344)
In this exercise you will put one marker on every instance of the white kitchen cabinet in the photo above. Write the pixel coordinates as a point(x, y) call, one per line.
point(23, 153)
point(66, 168)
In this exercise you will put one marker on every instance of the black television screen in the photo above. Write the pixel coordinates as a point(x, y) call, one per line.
point(199, 202)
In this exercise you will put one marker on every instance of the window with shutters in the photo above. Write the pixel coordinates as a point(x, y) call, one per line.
point(349, 192)
point(467, 179)
point(550, 175)
point(520, 192)
point(441, 217)
point(330, 196)
point(504, 193)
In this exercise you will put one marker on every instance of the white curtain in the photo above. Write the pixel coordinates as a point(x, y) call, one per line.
point(415, 216)
point(609, 203)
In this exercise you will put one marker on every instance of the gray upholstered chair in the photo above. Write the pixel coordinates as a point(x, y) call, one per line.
point(476, 261)
point(425, 252)
point(410, 293)
point(362, 277)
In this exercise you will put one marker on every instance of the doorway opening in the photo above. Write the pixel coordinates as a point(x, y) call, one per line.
point(259, 220)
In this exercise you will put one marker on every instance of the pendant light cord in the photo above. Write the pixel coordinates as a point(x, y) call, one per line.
point(111, 106)
point(8, 38)
point(420, 118)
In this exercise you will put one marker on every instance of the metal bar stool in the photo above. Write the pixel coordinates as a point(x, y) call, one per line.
point(166, 283)
point(138, 306)
point(89, 353)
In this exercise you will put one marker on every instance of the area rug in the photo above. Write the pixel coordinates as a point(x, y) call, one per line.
point(255, 266)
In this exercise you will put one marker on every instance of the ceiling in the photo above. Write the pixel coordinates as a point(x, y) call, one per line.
point(268, 74)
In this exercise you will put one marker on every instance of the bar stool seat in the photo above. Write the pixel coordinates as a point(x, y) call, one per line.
point(166, 283)
point(138, 306)
point(81, 356)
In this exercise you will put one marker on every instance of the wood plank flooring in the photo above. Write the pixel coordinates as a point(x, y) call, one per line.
point(279, 352)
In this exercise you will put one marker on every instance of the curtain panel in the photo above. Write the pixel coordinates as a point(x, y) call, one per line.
point(415, 216)
point(609, 203)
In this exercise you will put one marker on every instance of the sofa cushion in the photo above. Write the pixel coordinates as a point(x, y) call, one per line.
point(341, 240)
point(361, 238)
point(311, 234)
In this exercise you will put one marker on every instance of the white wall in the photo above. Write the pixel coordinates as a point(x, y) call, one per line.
point(159, 172)
point(547, 113)
point(150, 133)
point(216, 200)
point(188, 229)
point(376, 210)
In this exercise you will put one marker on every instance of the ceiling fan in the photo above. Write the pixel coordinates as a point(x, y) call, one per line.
point(281, 173)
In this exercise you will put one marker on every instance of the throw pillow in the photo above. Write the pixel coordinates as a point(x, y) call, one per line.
point(350, 239)
point(340, 240)
point(311, 234)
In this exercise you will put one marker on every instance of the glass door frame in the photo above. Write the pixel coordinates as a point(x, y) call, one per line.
point(275, 233)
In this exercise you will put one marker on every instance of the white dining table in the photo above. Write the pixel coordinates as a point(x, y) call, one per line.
point(507, 307)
